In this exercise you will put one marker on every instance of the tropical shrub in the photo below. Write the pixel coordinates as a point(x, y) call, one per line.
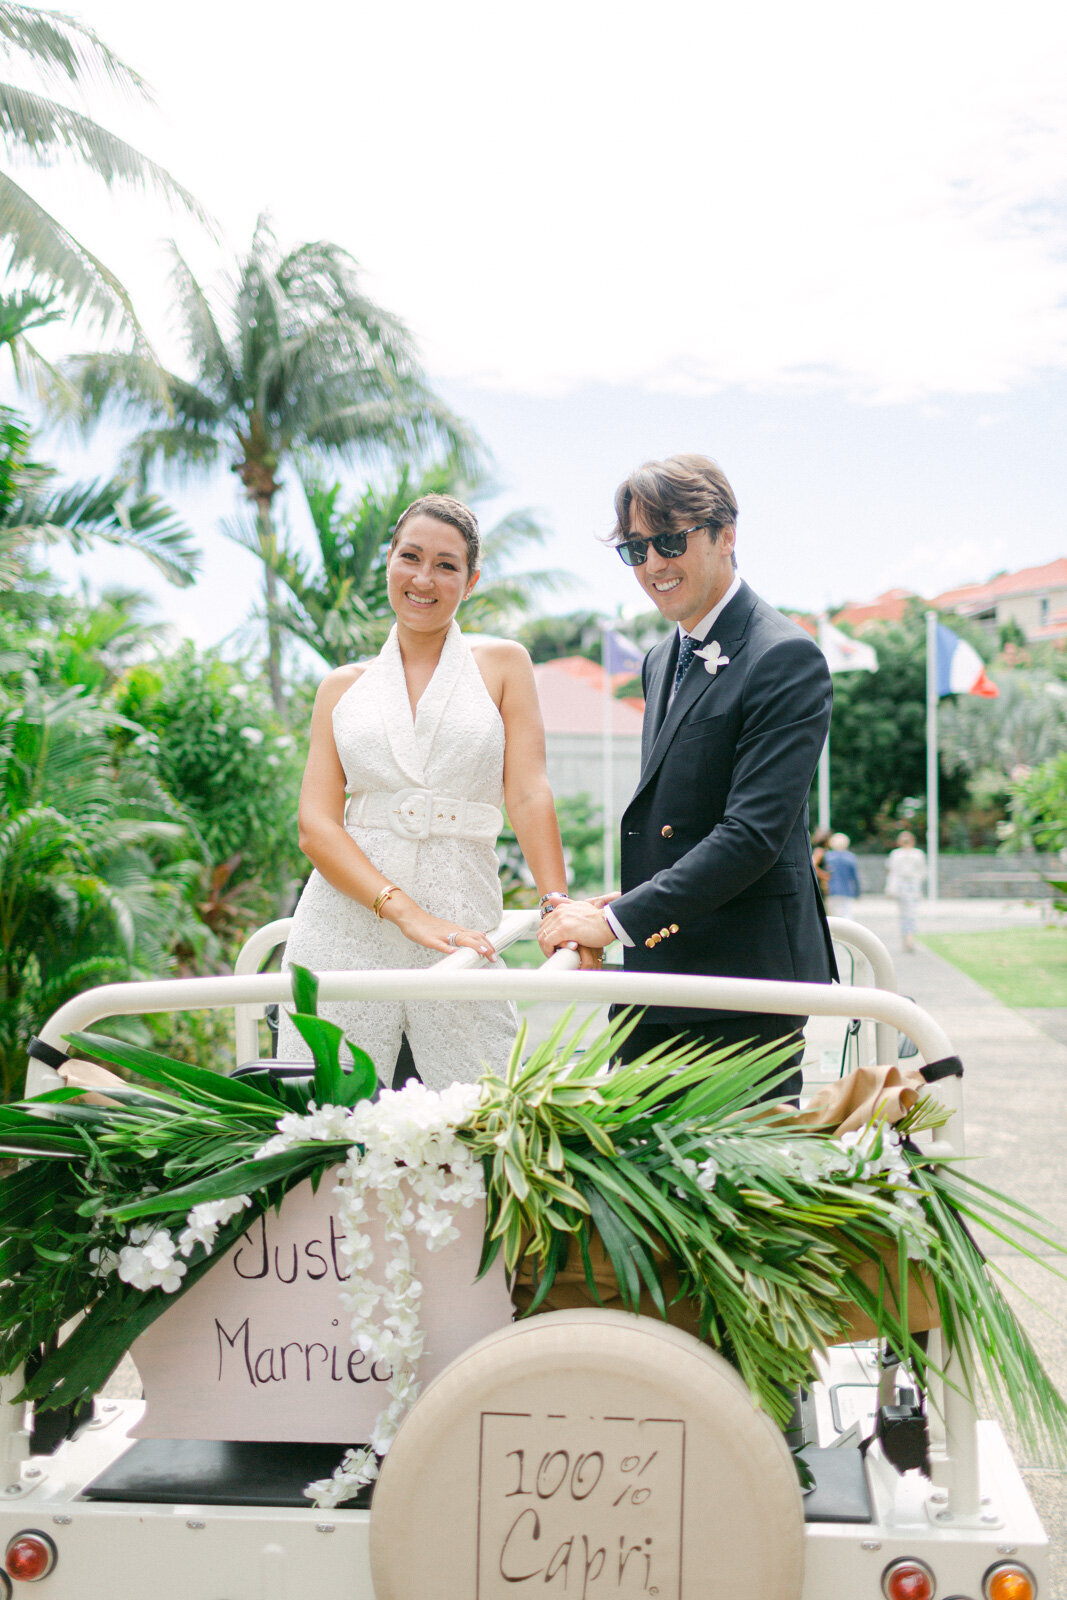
point(217, 746)
point(96, 861)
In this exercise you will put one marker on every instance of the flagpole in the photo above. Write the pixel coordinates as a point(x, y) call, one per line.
point(608, 806)
point(824, 785)
point(932, 819)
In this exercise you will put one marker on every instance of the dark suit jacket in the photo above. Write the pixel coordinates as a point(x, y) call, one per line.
point(717, 876)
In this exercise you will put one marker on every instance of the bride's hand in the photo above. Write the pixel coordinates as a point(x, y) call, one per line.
point(435, 933)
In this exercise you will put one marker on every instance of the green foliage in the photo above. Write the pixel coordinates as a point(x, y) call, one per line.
point(991, 739)
point(878, 734)
point(671, 1157)
point(1038, 819)
point(96, 861)
point(1039, 807)
point(36, 127)
point(575, 634)
point(36, 510)
point(337, 602)
point(583, 851)
point(217, 746)
point(295, 361)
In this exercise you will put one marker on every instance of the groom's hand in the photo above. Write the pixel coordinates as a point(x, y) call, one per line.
point(575, 922)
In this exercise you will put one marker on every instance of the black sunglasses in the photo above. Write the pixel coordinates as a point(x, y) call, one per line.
point(635, 551)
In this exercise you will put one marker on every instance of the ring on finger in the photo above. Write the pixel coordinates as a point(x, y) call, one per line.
point(453, 936)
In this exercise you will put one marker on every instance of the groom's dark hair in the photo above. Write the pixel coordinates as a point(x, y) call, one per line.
point(445, 508)
point(682, 491)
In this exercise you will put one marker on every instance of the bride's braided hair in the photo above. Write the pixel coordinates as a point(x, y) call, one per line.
point(445, 508)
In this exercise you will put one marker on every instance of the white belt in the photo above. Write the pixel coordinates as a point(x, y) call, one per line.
point(419, 813)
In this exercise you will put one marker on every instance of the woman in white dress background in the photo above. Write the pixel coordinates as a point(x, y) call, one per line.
point(410, 758)
point(905, 879)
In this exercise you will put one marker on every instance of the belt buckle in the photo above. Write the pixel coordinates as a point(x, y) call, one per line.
point(409, 813)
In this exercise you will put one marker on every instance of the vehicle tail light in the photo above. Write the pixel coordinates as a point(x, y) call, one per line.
point(1009, 1580)
point(908, 1580)
point(30, 1556)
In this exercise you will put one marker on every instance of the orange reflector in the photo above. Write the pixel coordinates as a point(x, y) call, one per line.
point(1009, 1582)
point(908, 1580)
point(30, 1556)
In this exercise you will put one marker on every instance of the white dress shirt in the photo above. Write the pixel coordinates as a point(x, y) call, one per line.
point(699, 633)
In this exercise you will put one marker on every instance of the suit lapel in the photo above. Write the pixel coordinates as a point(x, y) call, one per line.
point(730, 631)
point(661, 664)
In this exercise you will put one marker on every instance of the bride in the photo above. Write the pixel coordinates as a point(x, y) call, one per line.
point(410, 759)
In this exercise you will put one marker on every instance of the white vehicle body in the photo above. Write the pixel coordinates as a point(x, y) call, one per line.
point(973, 1511)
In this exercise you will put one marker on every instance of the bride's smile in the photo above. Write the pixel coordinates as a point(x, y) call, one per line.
point(428, 572)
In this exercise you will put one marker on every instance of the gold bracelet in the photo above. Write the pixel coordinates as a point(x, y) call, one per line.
point(381, 898)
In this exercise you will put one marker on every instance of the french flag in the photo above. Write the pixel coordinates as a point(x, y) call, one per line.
point(960, 669)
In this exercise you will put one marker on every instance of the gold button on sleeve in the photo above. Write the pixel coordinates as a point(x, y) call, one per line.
point(664, 933)
point(649, 943)
point(667, 831)
point(674, 927)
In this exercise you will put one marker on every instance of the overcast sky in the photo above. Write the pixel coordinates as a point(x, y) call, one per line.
point(823, 243)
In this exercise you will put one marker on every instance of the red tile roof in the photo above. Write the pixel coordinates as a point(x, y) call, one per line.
point(888, 607)
point(976, 596)
point(572, 700)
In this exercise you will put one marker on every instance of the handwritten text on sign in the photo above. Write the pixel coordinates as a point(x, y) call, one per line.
point(261, 1347)
point(591, 1505)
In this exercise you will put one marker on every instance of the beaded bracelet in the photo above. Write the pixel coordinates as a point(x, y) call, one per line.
point(381, 898)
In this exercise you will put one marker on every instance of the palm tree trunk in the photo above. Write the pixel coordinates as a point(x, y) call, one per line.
point(265, 526)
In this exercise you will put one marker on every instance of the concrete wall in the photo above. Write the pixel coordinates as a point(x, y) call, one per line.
point(966, 877)
point(576, 766)
point(1027, 610)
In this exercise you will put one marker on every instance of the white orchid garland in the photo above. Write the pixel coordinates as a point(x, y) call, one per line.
point(403, 1151)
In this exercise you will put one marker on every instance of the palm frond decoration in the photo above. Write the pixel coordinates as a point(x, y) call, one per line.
point(666, 1172)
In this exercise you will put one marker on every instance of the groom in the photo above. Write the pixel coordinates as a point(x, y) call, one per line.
point(717, 876)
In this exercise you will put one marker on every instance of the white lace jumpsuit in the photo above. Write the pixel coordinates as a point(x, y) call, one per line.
point(442, 771)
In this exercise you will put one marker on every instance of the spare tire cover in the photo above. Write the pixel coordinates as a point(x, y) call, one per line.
point(592, 1455)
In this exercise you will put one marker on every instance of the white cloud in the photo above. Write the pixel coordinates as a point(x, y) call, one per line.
point(773, 196)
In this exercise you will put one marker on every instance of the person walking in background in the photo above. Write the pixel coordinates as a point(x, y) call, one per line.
point(904, 883)
point(843, 886)
point(820, 841)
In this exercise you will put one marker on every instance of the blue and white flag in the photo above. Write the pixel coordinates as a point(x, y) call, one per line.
point(960, 669)
point(620, 654)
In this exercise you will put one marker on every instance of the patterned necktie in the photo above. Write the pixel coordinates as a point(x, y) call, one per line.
point(685, 655)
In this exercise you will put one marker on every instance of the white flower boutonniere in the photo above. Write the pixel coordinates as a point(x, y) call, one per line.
point(713, 658)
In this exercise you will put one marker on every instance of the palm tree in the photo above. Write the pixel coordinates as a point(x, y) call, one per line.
point(297, 359)
point(338, 604)
point(33, 126)
point(36, 509)
point(96, 862)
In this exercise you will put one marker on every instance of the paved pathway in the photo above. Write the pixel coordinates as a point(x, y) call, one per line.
point(1015, 1090)
point(1015, 1094)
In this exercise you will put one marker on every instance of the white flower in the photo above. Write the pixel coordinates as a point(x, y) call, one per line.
point(150, 1262)
point(203, 1222)
point(253, 735)
point(104, 1261)
point(707, 1174)
point(713, 657)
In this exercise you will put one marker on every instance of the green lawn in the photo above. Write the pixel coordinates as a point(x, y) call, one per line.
point(1021, 966)
point(526, 953)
